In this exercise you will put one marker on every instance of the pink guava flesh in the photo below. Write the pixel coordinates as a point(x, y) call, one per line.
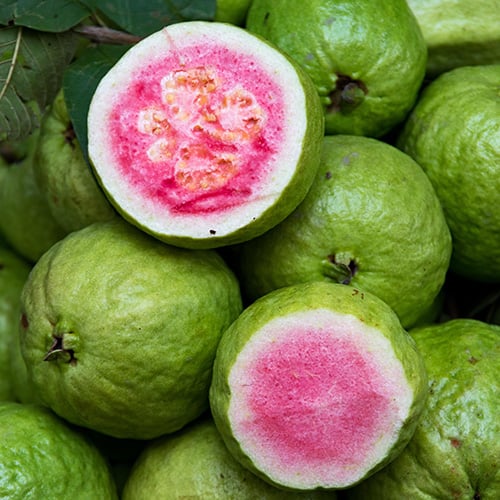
point(195, 130)
point(317, 405)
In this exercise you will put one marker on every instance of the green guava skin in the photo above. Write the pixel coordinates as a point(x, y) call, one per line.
point(119, 331)
point(303, 297)
point(195, 463)
point(26, 222)
point(461, 110)
point(232, 11)
point(43, 457)
point(13, 273)
point(64, 176)
point(455, 451)
point(370, 206)
point(458, 33)
point(379, 45)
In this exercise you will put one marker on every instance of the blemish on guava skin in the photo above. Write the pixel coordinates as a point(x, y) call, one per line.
point(456, 443)
point(70, 135)
point(328, 175)
point(329, 21)
point(266, 17)
point(212, 231)
point(24, 321)
point(472, 360)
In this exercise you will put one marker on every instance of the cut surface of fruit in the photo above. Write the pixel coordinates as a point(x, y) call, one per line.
point(316, 386)
point(327, 393)
point(199, 129)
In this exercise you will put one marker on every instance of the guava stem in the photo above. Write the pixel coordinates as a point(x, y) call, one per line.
point(339, 269)
point(347, 95)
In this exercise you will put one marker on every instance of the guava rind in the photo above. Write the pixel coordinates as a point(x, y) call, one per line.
point(63, 175)
point(461, 109)
point(332, 40)
point(26, 223)
point(309, 296)
point(458, 33)
point(139, 322)
point(454, 452)
point(195, 463)
point(42, 457)
point(13, 273)
point(283, 192)
point(369, 205)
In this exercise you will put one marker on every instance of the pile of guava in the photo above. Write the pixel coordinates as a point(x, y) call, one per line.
point(249, 249)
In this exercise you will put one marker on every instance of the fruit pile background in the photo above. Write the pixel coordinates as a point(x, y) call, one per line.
point(50, 65)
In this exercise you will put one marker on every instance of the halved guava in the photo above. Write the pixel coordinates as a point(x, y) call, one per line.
point(316, 386)
point(203, 134)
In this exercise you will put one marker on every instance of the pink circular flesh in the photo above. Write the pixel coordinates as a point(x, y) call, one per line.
point(315, 399)
point(194, 131)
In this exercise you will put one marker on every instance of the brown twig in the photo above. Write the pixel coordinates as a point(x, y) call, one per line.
point(102, 34)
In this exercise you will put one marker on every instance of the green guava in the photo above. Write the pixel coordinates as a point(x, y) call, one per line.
point(454, 134)
point(119, 330)
point(367, 59)
point(195, 463)
point(371, 219)
point(26, 222)
point(232, 11)
point(458, 32)
point(43, 457)
point(317, 386)
point(455, 451)
point(13, 273)
point(204, 134)
point(64, 176)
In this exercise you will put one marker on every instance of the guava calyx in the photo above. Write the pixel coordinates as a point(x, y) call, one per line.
point(347, 95)
point(63, 347)
point(339, 267)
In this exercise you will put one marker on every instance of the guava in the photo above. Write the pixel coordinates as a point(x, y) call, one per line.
point(455, 451)
point(371, 219)
point(204, 135)
point(195, 463)
point(458, 32)
point(367, 59)
point(64, 176)
point(41, 456)
point(119, 330)
point(26, 222)
point(232, 11)
point(453, 133)
point(13, 273)
point(317, 386)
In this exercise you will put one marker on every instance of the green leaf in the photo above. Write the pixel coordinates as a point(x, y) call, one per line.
point(32, 64)
point(44, 15)
point(80, 81)
point(143, 17)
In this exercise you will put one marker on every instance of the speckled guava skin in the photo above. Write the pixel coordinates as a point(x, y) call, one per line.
point(63, 174)
point(307, 297)
point(371, 219)
point(367, 59)
point(453, 133)
point(195, 463)
point(119, 330)
point(41, 456)
point(455, 451)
